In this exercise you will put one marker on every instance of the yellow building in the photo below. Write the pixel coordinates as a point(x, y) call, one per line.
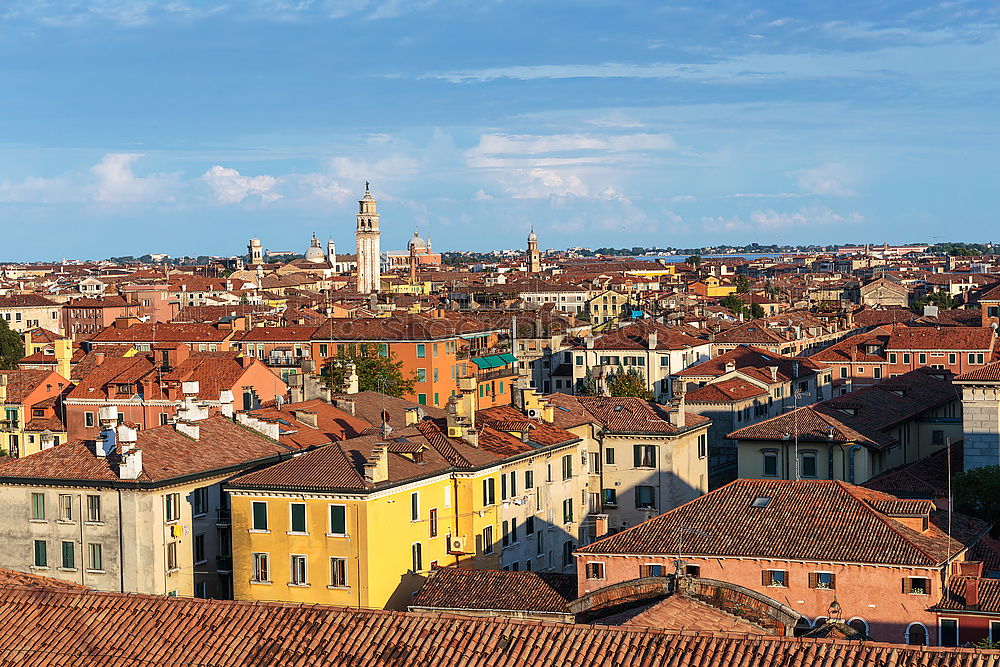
point(29, 411)
point(361, 522)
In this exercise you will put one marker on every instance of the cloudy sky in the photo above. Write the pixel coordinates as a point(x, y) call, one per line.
point(186, 126)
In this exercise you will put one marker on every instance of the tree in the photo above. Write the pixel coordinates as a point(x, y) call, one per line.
point(770, 289)
point(977, 493)
point(756, 311)
point(590, 387)
point(735, 304)
point(694, 260)
point(742, 284)
point(11, 347)
point(942, 300)
point(630, 383)
point(375, 372)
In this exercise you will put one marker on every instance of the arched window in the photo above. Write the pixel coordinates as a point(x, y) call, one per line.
point(803, 626)
point(859, 624)
point(820, 620)
point(916, 634)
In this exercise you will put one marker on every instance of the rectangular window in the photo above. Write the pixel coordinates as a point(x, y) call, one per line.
point(568, 510)
point(69, 555)
point(877, 372)
point(433, 521)
point(775, 578)
point(259, 515)
point(338, 520)
point(979, 359)
point(422, 399)
point(88, 419)
point(503, 486)
point(567, 554)
point(644, 456)
point(199, 501)
point(952, 358)
point(609, 456)
point(95, 557)
point(609, 498)
point(421, 375)
point(923, 358)
point(916, 586)
point(489, 491)
point(298, 518)
point(172, 506)
point(94, 508)
point(38, 506)
point(541, 543)
point(702, 446)
point(513, 483)
point(41, 554)
point(770, 464)
point(809, 465)
point(505, 533)
point(892, 357)
point(652, 570)
point(567, 467)
point(529, 525)
point(529, 479)
point(595, 570)
point(823, 580)
point(338, 572)
point(199, 549)
point(414, 506)
point(644, 498)
point(948, 633)
point(843, 371)
point(906, 357)
point(261, 567)
point(172, 556)
point(65, 507)
point(299, 573)
point(488, 540)
point(421, 350)
point(416, 553)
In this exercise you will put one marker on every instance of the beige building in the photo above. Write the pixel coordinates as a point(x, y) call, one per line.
point(132, 511)
point(644, 458)
point(28, 311)
point(856, 436)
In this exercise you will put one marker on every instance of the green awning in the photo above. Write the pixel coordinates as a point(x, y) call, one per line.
point(494, 361)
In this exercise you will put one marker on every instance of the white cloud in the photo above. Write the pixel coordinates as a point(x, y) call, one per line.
point(529, 144)
point(392, 168)
point(681, 199)
point(771, 220)
point(231, 187)
point(118, 184)
point(827, 179)
point(482, 195)
point(763, 195)
point(324, 187)
point(36, 190)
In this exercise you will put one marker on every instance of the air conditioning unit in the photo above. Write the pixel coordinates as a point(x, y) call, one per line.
point(456, 545)
point(534, 413)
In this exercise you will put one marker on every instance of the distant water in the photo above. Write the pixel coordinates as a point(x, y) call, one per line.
point(676, 259)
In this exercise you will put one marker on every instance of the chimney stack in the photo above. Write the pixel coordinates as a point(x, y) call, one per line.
point(307, 417)
point(226, 401)
point(774, 373)
point(64, 357)
point(377, 465)
point(972, 593)
point(651, 340)
point(678, 408)
point(600, 525)
point(107, 440)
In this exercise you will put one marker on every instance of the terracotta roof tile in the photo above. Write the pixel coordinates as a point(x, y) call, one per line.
point(456, 588)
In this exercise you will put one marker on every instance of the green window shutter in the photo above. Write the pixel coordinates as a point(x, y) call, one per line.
point(637, 455)
point(338, 519)
point(41, 559)
point(37, 506)
point(260, 516)
point(68, 555)
point(298, 517)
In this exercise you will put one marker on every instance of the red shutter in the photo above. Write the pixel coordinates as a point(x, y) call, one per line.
point(765, 577)
point(813, 580)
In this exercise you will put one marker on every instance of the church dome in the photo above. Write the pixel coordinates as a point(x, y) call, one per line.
point(416, 243)
point(532, 236)
point(314, 253)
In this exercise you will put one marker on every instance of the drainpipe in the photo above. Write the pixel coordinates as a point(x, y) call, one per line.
point(121, 547)
point(853, 449)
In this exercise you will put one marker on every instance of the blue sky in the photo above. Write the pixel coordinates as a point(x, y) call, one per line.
point(134, 126)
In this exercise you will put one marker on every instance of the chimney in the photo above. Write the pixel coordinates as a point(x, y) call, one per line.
point(351, 380)
point(774, 373)
point(678, 408)
point(600, 525)
point(377, 465)
point(98, 359)
point(130, 466)
point(266, 427)
point(414, 416)
point(730, 367)
point(107, 440)
point(226, 401)
point(307, 417)
point(64, 357)
point(345, 404)
point(127, 437)
point(972, 593)
point(461, 418)
point(3, 388)
point(651, 340)
point(589, 340)
point(188, 428)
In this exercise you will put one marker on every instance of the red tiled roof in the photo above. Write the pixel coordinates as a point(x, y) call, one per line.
point(725, 391)
point(865, 416)
point(21, 382)
point(455, 588)
point(987, 373)
point(679, 612)
point(624, 415)
point(818, 520)
point(636, 337)
point(954, 596)
point(166, 454)
point(943, 338)
point(25, 301)
point(924, 478)
point(45, 627)
point(161, 332)
point(748, 356)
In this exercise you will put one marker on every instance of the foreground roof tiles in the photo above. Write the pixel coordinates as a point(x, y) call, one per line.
point(45, 627)
point(455, 588)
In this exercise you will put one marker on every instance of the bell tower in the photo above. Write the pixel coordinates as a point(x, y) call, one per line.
point(534, 258)
point(369, 246)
